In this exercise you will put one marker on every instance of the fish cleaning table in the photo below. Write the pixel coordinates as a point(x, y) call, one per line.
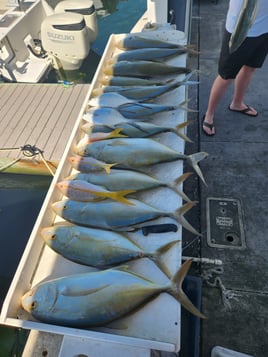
point(156, 325)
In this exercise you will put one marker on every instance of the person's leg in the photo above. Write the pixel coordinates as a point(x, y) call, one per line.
point(217, 91)
point(241, 85)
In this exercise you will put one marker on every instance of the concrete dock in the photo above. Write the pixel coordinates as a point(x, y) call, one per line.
point(234, 295)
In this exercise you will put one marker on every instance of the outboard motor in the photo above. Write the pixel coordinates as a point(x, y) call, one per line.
point(85, 8)
point(64, 37)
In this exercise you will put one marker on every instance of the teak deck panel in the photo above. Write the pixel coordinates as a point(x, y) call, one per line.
point(39, 114)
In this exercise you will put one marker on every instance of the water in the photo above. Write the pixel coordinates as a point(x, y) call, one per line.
point(21, 197)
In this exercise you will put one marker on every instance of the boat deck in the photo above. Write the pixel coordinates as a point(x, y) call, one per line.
point(40, 115)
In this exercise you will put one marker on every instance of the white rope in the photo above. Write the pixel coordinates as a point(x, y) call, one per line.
point(226, 294)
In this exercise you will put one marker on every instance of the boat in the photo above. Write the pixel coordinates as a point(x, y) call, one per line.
point(145, 329)
point(35, 38)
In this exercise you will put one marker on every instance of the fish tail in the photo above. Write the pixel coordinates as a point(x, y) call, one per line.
point(194, 160)
point(177, 131)
point(157, 257)
point(177, 292)
point(179, 216)
point(183, 106)
point(107, 167)
point(116, 134)
point(178, 181)
point(120, 196)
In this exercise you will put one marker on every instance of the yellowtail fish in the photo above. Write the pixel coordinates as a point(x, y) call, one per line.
point(104, 115)
point(118, 180)
point(141, 93)
point(135, 130)
point(137, 110)
point(99, 248)
point(130, 81)
point(89, 164)
point(116, 216)
point(132, 41)
point(83, 191)
point(244, 21)
point(150, 54)
point(143, 69)
point(97, 298)
point(111, 100)
point(138, 152)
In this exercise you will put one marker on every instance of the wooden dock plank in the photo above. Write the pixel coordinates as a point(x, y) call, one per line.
point(18, 125)
point(42, 115)
point(69, 112)
point(39, 114)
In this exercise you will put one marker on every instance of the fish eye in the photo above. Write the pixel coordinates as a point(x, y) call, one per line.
point(33, 305)
point(53, 236)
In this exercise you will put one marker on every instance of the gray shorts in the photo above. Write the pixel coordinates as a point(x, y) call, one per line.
point(252, 53)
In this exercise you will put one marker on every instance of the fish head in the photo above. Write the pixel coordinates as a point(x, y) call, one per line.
point(84, 141)
point(39, 298)
point(88, 117)
point(87, 128)
point(48, 234)
point(63, 186)
point(60, 206)
point(57, 235)
point(75, 161)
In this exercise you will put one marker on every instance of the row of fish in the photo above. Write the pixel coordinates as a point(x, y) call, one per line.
point(115, 145)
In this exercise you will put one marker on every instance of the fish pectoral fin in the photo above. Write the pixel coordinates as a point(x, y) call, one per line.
point(68, 291)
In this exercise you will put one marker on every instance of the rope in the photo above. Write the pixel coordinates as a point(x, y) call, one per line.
point(28, 151)
point(226, 295)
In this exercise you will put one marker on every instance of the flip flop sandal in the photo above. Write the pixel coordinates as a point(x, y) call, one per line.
point(245, 111)
point(207, 125)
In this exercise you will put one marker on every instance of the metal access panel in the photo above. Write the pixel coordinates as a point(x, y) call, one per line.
point(224, 223)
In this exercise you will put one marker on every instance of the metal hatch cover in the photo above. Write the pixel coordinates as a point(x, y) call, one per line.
point(224, 223)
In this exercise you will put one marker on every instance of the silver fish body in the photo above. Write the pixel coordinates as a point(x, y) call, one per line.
point(142, 93)
point(138, 129)
point(110, 100)
point(97, 298)
point(132, 41)
point(143, 69)
point(138, 152)
point(84, 191)
point(97, 247)
point(244, 22)
point(103, 115)
point(130, 81)
point(116, 216)
point(150, 54)
point(118, 180)
point(139, 110)
point(88, 164)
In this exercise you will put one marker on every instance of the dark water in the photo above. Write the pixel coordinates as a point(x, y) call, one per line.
point(21, 197)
